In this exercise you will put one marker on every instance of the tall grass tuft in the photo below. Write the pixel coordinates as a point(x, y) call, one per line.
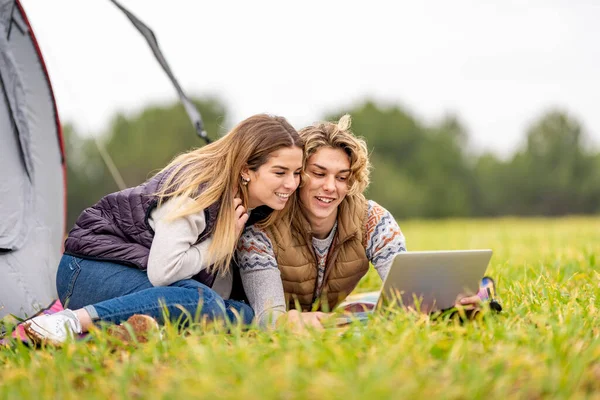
point(546, 342)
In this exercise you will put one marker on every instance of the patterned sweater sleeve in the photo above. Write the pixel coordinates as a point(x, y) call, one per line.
point(383, 238)
point(260, 276)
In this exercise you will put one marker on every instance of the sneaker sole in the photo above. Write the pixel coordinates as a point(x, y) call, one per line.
point(38, 339)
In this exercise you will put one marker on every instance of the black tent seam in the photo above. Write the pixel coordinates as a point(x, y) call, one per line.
point(12, 12)
point(14, 124)
point(15, 21)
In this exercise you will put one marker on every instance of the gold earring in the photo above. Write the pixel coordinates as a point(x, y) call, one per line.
point(245, 181)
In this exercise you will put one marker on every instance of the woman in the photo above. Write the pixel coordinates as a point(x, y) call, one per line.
point(334, 236)
point(178, 231)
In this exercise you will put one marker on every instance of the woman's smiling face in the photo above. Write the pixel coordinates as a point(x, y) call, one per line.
point(325, 186)
point(274, 182)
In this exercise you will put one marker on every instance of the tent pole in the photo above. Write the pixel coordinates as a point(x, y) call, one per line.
point(110, 164)
point(147, 33)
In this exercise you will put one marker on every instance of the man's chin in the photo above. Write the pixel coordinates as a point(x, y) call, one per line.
point(321, 215)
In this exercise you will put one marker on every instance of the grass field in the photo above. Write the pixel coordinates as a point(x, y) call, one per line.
point(545, 344)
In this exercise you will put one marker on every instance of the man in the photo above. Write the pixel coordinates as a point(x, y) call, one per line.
point(315, 257)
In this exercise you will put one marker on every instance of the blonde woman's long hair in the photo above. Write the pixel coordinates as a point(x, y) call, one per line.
point(216, 170)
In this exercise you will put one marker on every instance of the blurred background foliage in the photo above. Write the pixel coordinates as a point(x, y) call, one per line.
point(419, 170)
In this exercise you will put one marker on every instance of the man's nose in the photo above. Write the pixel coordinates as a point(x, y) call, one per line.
point(329, 183)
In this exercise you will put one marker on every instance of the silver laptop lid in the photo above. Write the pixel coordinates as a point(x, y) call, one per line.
point(437, 278)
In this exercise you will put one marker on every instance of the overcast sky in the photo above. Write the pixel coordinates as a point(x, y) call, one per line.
point(497, 65)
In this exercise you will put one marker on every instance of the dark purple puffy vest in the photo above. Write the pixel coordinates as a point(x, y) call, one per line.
point(116, 228)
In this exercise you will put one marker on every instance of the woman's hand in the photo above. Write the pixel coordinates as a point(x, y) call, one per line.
point(300, 321)
point(241, 216)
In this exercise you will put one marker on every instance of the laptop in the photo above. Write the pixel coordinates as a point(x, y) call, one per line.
point(428, 281)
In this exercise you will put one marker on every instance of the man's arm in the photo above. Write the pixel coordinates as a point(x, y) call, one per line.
point(384, 239)
point(260, 276)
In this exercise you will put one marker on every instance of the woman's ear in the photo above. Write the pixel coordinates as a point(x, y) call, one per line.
point(245, 172)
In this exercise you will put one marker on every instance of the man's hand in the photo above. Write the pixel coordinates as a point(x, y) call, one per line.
point(468, 302)
point(300, 321)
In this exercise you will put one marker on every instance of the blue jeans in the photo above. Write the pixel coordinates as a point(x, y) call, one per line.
point(113, 292)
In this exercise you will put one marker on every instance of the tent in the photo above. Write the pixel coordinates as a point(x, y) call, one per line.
point(32, 171)
point(32, 163)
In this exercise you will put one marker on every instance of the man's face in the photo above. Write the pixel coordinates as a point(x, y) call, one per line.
point(326, 186)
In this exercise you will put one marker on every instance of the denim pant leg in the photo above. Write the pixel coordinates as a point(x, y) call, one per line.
point(180, 304)
point(239, 311)
point(81, 282)
point(235, 310)
point(113, 292)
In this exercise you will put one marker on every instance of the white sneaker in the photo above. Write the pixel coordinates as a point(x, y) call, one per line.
point(53, 329)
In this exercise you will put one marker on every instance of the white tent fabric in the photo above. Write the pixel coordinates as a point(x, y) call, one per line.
point(32, 171)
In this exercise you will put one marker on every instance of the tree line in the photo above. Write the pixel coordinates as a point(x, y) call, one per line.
point(419, 170)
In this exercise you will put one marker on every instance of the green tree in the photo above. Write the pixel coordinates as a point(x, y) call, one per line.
point(139, 145)
point(418, 171)
point(554, 168)
point(85, 172)
point(144, 143)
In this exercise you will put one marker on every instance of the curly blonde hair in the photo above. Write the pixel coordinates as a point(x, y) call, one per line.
point(339, 136)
